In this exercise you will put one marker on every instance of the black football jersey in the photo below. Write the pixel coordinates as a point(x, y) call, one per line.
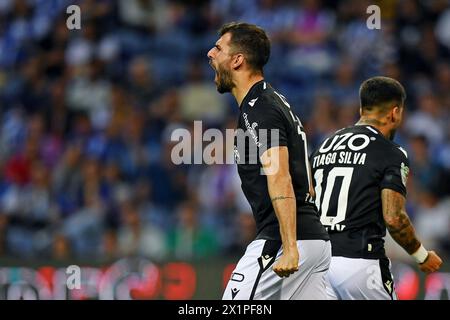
point(266, 120)
point(350, 169)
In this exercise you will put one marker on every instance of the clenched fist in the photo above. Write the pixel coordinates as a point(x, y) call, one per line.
point(432, 263)
point(287, 264)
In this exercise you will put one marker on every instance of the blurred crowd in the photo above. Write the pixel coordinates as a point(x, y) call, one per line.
point(86, 117)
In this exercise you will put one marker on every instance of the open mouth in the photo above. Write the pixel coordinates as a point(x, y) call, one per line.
point(216, 75)
point(212, 66)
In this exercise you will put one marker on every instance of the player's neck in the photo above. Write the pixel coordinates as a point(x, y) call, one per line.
point(243, 85)
point(378, 124)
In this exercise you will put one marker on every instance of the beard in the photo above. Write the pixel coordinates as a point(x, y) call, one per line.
point(224, 80)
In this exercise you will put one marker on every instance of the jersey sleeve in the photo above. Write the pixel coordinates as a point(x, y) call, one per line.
point(396, 172)
point(272, 127)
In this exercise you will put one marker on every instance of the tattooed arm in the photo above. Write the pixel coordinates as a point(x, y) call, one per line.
point(282, 196)
point(402, 230)
point(397, 221)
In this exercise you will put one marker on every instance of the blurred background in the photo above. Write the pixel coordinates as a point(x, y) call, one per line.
point(86, 117)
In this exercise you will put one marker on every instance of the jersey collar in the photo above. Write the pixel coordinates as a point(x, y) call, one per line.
point(254, 91)
point(369, 127)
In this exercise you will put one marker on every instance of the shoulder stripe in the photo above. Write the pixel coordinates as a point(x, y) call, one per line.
point(371, 129)
point(404, 151)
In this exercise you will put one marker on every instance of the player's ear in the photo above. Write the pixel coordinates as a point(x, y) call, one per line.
point(390, 115)
point(237, 60)
point(396, 113)
point(399, 113)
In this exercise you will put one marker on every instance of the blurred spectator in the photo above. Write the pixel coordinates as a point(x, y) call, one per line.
point(323, 120)
point(189, 239)
point(443, 28)
point(141, 86)
point(430, 120)
point(66, 179)
point(137, 238)
point(309, 35)
point(3, 229)
point(109, 245)
point(199, 100)
point(344, 87)
point(271, 15)
point(13, 132)
point(424, 169)
point(442, 71)
point(244, 233)
point(18, 168)
point(433, 222)
point(149, 15)
point(228, 10)
point(91, 93)
point(61, 248)
point(168, 182)
point(30, 214)
point(84, 226)
point(363, 47)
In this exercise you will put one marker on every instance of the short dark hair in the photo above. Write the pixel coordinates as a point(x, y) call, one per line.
point(251, 40)
point(376, 93)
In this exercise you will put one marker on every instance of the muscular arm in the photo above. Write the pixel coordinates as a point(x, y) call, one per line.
point(281, 193)
point(275, 163)
point(397, 220)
